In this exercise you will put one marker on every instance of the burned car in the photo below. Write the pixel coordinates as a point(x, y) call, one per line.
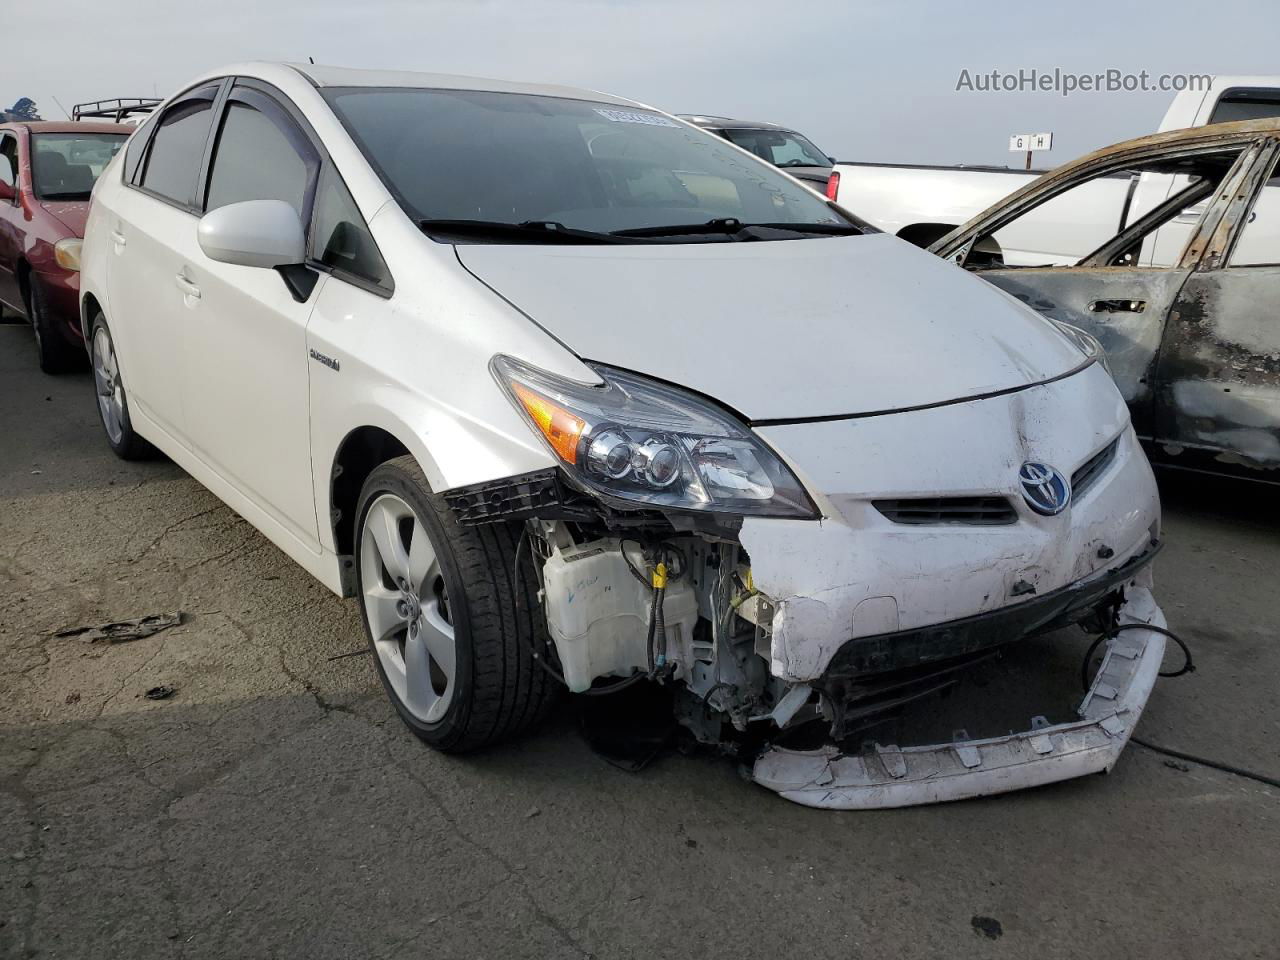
point(570, 394)
point(1179, 286)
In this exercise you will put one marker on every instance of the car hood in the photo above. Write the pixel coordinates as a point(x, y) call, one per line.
point(785, 329)
point(72, 214)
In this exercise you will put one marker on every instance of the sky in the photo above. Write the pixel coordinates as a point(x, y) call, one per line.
point(872, 81)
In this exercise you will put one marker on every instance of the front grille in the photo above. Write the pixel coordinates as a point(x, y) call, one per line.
point(977, 511)
point(1092, 468)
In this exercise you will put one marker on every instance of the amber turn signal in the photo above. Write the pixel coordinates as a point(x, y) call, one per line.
point(561, 428)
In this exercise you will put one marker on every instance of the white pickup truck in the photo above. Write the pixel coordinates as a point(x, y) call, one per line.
point(924, 203)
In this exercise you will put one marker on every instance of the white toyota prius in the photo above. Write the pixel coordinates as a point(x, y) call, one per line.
point(568, 393)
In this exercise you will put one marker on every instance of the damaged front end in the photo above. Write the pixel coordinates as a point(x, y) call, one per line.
point(893, 776)
point(835, 571)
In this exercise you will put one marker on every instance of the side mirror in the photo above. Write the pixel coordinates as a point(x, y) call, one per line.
point(253, 233)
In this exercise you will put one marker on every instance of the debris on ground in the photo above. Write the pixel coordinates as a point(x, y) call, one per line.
point(351, 653)
point(122, 631)
point(162, 692)
point(1177, 765)
point(531, 813)
point(73, 697)
point(988, 927)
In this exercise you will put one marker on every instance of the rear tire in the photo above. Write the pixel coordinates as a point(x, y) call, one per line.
point(113, 403)
point(56, 354)
point(455, 587)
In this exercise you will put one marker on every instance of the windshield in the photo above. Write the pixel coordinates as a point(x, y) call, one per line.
point(64, 166)
point(506, 158)
point(782, 148)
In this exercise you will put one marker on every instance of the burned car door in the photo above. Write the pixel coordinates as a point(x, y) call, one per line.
point(1218, 376)
point(1124, 308)
point(1110, 292)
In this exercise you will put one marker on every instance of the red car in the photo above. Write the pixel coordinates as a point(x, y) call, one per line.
point(46, 173)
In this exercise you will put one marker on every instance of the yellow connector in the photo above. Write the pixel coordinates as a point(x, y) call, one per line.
point(659, 576)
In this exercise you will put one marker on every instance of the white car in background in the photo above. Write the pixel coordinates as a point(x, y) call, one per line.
point(924, 203)
point(569, 393)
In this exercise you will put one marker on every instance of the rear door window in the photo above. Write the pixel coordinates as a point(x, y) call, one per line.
point(177, 148)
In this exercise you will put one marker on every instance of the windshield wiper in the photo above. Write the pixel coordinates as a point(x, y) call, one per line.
point(527, 231)
point(719, 225)
point(66, 195)
point(732, 226)
point(551, 231)
point(834, 228)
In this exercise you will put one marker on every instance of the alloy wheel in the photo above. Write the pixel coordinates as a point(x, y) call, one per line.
point(407, 609)
point(106, 379)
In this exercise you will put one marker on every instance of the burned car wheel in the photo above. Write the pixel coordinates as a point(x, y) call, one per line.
point(113, 404)
point(451, 633)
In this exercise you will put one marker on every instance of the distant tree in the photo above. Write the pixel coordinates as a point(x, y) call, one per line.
point(23, 109)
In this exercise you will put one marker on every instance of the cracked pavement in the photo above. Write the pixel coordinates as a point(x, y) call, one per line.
point(275, 807)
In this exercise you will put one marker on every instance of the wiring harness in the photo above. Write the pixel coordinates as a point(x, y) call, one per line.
point(1188, 666)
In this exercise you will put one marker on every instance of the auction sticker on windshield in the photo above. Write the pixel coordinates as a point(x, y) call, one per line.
point(631, 116)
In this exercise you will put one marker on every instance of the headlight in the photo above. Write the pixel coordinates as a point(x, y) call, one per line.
point(1087, 342)
point(637, 440)
point(67, 253)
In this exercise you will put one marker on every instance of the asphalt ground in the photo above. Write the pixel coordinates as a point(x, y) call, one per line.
point(274, 806)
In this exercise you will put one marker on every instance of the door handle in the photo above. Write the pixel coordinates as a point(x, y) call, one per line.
point(188, 288)
point(1117, 306)
point(118, 238)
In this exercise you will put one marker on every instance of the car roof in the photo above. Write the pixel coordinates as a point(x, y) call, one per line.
point(726, 123)
point(70, 126)
point(322, 75)
point(1227, 134)
point(1188, 136)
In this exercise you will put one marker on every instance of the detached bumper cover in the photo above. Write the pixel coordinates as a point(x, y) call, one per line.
point(889, 776)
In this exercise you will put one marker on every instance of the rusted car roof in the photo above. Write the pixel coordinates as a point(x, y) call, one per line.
point(1188, 135)
point(1240, 130)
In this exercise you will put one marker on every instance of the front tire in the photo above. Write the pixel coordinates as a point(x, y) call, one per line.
point(451, 632)
point(56, 354)
point(113, 404)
